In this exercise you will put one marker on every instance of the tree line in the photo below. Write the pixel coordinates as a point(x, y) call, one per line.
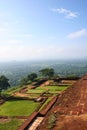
point(46, 73)
point(4, 83)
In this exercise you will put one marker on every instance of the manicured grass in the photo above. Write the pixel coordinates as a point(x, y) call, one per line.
point(55, 89)
point(34, 95)
point(37, 90)
point(51, 89)
point(18, 108)
point(10, 125)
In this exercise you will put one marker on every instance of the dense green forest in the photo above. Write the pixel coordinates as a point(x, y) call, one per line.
point(15, 71)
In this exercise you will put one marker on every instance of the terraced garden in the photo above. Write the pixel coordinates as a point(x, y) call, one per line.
point(50, 89)
point(17, 110)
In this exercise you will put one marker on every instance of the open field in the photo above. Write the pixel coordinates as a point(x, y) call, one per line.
point(18, 108)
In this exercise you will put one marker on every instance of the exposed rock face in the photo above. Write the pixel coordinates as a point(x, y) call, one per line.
point(70, 109)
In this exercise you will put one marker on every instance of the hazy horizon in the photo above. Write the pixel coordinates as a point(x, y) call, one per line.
point(43, 30)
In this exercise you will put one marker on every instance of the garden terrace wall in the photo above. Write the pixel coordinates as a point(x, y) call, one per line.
point(29, 120)
point(23, 90)
point(48, 106)
point(69, 78)
point(66, 78)
point(35, 114)
point(2, 101)
point(18, 98)
point(37, 109)
point(40, 82)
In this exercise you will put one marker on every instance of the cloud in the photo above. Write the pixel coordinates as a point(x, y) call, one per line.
point(77, 34)
point(21, 52)
point(68, 14)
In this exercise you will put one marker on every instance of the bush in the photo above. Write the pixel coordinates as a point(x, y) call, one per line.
point(51, 121)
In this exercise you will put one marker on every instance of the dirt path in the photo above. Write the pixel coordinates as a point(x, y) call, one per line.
point(35, 124)
point(21, 94)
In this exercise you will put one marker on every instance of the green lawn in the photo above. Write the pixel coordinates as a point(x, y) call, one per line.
point(37, 90)
point(10, 125)
point(18, 108)
point(55, 89)
point(51, 89)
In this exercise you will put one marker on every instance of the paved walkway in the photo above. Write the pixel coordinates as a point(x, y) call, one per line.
point(36, 123)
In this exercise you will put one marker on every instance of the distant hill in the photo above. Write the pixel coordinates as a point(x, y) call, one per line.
point(15, 71)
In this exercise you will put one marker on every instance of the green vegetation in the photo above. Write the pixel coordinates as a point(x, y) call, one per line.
point(15, 71)
point(46, 102)
point(37, 90)
point(26, 107)
point(28, 79)
point(50, 89)
point(18, 108)
point(51, 121)
point(47, 72)
point(55, 89)
point(11, 90)
point(33, 95)
point(10, 125)
point(32, 77)
point(44, 73)
point(4, 84)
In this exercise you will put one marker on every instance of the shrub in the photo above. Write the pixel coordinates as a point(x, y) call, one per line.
point(51, 121)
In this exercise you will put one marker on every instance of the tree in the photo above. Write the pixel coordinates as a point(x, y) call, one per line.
point(47, 72)
point(23, 81)
point(29, 78)
point(4, 84)
point(32, 76)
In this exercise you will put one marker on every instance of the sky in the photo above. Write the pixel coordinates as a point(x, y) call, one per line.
point(43, 29)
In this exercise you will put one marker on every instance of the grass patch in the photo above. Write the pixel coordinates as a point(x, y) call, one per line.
point(11, 125)
point(47, 101)
point(34, 95)
point(56, 89)
point(51, 89)
point(37, 90)
point(18, 108)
